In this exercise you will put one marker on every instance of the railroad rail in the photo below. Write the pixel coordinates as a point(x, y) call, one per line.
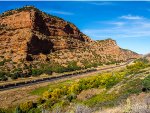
point(49, 79)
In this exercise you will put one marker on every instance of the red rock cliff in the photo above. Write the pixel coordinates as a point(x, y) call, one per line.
point(27, 33)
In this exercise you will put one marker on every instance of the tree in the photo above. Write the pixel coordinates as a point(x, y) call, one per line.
point(3, 76)
point(14, 76)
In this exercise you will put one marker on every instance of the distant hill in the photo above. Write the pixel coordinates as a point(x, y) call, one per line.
point(147, 56)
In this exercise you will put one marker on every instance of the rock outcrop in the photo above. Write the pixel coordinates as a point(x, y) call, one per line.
point(147, 56)
point(28, 34)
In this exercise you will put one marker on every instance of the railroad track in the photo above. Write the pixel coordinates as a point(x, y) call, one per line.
point(50, 79)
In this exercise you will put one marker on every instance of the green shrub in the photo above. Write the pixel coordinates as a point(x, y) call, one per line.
point(47, 95)
point(104, 80)
point(14, 76)
point(102, 99)
point(48, 71)
point(146, 83)
point(2, 62)
point(72, 66)
point(74, 88)
point(3, 76)
point(87, 64)
point(18, 74)
point(135, 68)
point(49, 103)
point(56, 93)
point(111, 82)
point(36, 72)
point(35, 110)
point(2, 110)
point(40, 101)
point(25, 107)
point(71, 96)
point(132, 87)
point(18, 110)
point(144, 60)
point(58, 68)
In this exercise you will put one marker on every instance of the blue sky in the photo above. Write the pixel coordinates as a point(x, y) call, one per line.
point(126, 22)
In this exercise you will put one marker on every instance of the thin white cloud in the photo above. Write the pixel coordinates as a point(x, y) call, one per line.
point(117, 33)
point(59, 12)
point(102, 3)
point(110, 23)
point(131, 17)
point(138, 28)
point(118, 23)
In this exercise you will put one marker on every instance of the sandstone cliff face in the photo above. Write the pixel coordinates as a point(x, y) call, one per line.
point(33, 32)
point(28, 34)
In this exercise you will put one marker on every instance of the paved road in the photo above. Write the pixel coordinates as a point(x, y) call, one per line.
point(29, 83)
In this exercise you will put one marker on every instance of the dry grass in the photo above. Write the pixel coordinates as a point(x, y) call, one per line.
point(86, 94)
point(134, 104)
point(11, 98)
